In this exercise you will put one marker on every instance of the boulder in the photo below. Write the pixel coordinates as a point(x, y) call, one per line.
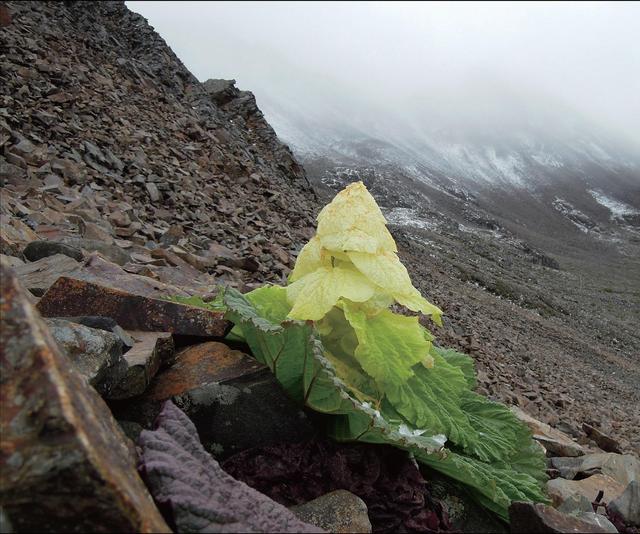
point(217, 387)
point(606, 443)
point(95, 354)
point(150, 351)
point(70, 296)
point(555, 442)
point(65, 463)
point(338, 511)
point(40, 275)
point(560, 489)
point(527, 517)
point(627, 505)
point(103, 323)
point(37, 250)
point(623, 467)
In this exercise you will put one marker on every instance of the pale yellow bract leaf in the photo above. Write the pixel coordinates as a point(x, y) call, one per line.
point(386, 271)
point(309, 259)
point(353, 221)
point(313, 295)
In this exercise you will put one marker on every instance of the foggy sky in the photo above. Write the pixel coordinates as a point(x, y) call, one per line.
point(453, 63)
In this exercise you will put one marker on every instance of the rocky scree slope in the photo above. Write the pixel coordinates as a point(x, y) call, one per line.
point(106, 135)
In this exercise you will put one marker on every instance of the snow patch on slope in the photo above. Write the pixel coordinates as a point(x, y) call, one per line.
point(618, 209)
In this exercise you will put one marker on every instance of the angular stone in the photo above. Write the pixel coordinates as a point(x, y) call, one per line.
point(597, 520)
point(111, 252)
point(65, 463)
point(627, 505)
point(560, 489)
point(606, 443)
point(102, 323)
point(95, 354)
point(623, 467)
point(40, 275)
point(70, 297)
point(338, 511)
point(217, 387)
point(150, 351)
point(102, 272)
point(154, 194)
point(12, 261)
point(555, 442)
point(37, 250)
point(527, 517)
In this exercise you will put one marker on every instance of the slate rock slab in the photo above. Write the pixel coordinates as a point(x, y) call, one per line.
point(70, 297)
point(526, 517)
point(149, 352)
point(40, 275)
point(193, 491)
point(95, 354)
point(65, 464)
point(627, 505)
point(623, 467)
point(37, 250)
point(234, 401)
point(560, 489)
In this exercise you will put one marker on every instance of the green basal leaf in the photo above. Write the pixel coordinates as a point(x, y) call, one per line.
point(489, 451)
point(463, 361)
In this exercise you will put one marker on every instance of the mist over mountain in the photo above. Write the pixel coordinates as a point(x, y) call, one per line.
point(537, 101)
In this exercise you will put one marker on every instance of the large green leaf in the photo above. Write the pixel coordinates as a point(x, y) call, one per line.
point(492, 452)
point(388, 344)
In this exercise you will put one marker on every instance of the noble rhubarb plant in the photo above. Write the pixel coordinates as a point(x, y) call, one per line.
point(332, 340)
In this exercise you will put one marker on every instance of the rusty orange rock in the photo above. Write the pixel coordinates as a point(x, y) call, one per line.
point(66, 465)
point(71, 297)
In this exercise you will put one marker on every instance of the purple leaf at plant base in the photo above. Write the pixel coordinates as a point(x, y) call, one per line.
point(193, 491)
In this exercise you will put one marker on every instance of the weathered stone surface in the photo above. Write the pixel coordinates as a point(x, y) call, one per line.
point(96, 354)
point(40, 275)
point(597, 520)
point(217, 387)
point(606, 443)
point(560, 489)
point(622, 467)
point(555, 442)
point(69, 297)
point(105, 273)
point(109, 251)
point(150, 351)
point(627, 505)
point(37, 250)
point(526, 517)
point(338, 511)
point(102, 323)
point(65, 462)
point(12, 261)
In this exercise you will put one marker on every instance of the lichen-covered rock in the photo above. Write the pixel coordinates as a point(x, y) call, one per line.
point(194, 492)
point(65, 464)
point(338, 511)
point(95, 354)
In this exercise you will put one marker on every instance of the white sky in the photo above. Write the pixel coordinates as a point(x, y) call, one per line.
point(418, 58)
